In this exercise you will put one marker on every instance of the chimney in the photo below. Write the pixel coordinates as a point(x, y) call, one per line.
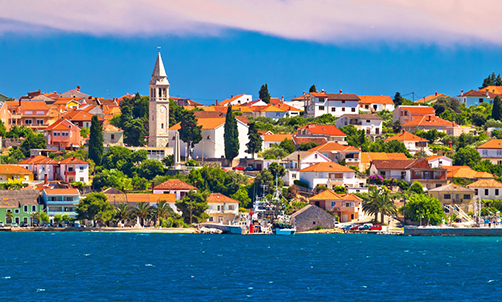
point(282, 99)
point(487, 92)
point(231, 96)
point(216, 102)
point(304, 93)
point(78, 88)
point(33, 156)
point(341, 91)
point(298, 161)
point(45, 179)
point(403, 131)
point(20, 102)
point(450, 144)
point(436, 94)
point(461, 92)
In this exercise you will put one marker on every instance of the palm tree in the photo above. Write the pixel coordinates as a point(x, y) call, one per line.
point(143, 211)
point(370, 202)
point(35, 215)
point(161, 210)
point(122, 212)
point(379, 201)
point(8, 216)
point(387, 206)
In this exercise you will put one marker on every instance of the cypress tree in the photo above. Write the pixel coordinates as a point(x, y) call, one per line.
point(398, 99)
point(96, 147)
point(255, 141)
point(190, 132)
point(231, 135)
point(264, 95)
point(497, 109)
point(312, 89)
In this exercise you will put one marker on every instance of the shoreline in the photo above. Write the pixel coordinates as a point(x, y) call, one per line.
point(103, 230)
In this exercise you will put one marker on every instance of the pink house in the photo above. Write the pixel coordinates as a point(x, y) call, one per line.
point(63, 134)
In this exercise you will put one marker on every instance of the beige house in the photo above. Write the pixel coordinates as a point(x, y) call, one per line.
point(454, 195)
point(222, 209)
point(112, 136)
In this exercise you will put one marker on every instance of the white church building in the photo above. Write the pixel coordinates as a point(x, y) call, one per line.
point(159, 106)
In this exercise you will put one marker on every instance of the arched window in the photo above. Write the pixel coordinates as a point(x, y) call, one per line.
point(162, 126)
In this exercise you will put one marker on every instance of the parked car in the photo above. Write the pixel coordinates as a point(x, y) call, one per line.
point(24, 225)
point(1, 224)
point(355, 227)
point(376, 227)
point(347, 227)
point(365, 226)
point(240, 168)
point(249, 168)
point(14, 225)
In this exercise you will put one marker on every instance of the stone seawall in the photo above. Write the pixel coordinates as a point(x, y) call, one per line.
point(414, 231)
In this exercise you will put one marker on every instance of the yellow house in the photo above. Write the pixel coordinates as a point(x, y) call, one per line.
point(13, 172)
point(454, 195)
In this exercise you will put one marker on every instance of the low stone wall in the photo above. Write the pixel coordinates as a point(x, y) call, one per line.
point(415, 231)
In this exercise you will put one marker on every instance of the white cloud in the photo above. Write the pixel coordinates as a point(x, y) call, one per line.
point(326, 21)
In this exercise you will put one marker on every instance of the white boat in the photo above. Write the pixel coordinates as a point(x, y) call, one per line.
point(289, 231)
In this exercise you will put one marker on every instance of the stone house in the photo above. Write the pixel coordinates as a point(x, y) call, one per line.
point(312, 217)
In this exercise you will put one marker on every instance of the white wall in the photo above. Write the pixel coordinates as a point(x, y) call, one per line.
point(443, 161)
point(491, 193)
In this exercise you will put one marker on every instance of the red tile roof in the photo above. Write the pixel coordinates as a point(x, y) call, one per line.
point(322, 129)
point(301, 140)
point(37, 160)
point(230, 100)
point(174, 184)
point(276, 137)
point(491, 144)
point(34, 105)
point(220, 198)
point(430, 120)
point(430, 98)
point(334, 146)
point(419, 110)
point(376, 99)
point(73, 160)
point(61, 192)
point(406, 136)
point(327, 167)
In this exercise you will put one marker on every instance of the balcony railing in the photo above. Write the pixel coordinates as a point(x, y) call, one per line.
point(71, 173)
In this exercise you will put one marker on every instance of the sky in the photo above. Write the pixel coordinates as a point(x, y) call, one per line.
point(213, 49)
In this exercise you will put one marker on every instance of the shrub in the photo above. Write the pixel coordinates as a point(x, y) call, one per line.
point(403, 185)
point(375, 179)
point(301, 183)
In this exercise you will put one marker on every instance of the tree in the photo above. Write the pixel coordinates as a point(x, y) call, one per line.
point(161, 210)
point(168, 161)
point(398, 99)
point(255, 140)
point(134, 132)
point(242, 195)
point(263, 94)
point(44, 217)
point(287, 145)
point(143, 211)
point(231, 136)
point(94, 206)
point(190, 133)
point(111, 178)
point(424, 208)
point(193, 206)
point(58, 218)
point(139, 183)
point(277, 170)
point(84, 132)
point(491, 80)
point(122, 212)
point(378, 201)
point(466, 156)
point(307, 146)
point(139, 156)
point(497, 108)
point(312, 89)
point(150, 168)
point(96, 146)
point(3, 130)
point(273, 152)
point(478, 119)
point(33, 141)
point(268, 180)
point(417, 188)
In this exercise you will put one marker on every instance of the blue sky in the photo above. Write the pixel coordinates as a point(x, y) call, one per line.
point(212, 65)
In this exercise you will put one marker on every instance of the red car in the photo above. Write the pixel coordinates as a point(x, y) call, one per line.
point(355, 227)
point(376, 227)
point(240, 168)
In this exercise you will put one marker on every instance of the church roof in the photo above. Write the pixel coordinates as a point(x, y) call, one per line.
point(158, 70)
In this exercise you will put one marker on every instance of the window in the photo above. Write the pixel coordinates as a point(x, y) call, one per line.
point(333, 204)
point(113, 137)
point(64, 133)
point(480, 100)
point(70, 169)
point(333, 109)
point(25, 209)
point(28, 122)
point(496, 192)
point(499, 152)
point(231, 207)
point(467, 196)
point(353, 110)
point(447, 196)
point(485, 152)
point(382, 173)
point(16, 211)
point(40, 122)
point(476, 191)
point(81, 179)
point(343, 102)
point(293, 175)
point(81, 168)
point(321, 108)
point(487, 192)
point(25, 219)
point(33, 208)
point(343, 108)
point(28, 112)
point(162, 126)
point(315, 155)
point(69, 198)
point(367, 121)
point(403, 175)
point(219, 208)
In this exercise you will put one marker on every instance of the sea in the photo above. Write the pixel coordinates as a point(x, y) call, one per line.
point(65, 266)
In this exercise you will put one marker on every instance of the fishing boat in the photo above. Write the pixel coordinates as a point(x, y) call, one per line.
point(283, 228)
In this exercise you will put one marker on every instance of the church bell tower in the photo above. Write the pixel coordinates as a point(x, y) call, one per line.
point(159, 106)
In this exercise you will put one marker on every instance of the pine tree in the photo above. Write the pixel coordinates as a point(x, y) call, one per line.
point(398, 99)
point(264, 95)
point(498, 80)
point(255, 140)
point(231, 135)
point(312, 89)
point(497, 109)
point(96, 147)
point(190, 133)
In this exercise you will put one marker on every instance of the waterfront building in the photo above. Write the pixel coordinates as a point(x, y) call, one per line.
point(45, 168)
point(454, 195)
point(222, 209)
point(61, 201)
point(21, 204)
point(311, 217)
point(487, 188)
point(330, 175)
point(300, 160)
point(346, 206)
point(174, 186)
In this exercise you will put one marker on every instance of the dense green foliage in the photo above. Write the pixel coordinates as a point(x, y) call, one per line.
point(193, 206)
point(96, 147)
point(492, 80)
point(190, 132)
point(255, 140)
point(287, 145)
point(307, 146)
point(231, 135)
point(134, 119)
point(378, 201)
point(312, 89)
point(263, 94)
point(95, 206)
point(417, 188)
point(497, 109)
point(424, 206)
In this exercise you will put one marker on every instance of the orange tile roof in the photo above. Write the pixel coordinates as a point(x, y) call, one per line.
point(272, 108)
point(301, 97)
point(465, 172)
point(326, 195)
point(263, 132)
point(301, 140)
point(492, 89)
point(174, 184)
point(227, 101)
point(286, 107)
point(13, 169)
point(34, 105)
point(150, 198)
point(375, 99)
point(218, 198)
point(39, 159)
point(419, 110)
point(485, 183)
point(61, 124)
point(206, 123)
point(322, 129)
point(406, 136)
point(319, 94)
point(491, 144)
point(368, 157)
point(333, 146)
point(79, 115)
point(61, 192)
point(276, 137)
point(111, 128)
point(73, 160)
point(430, 120)
point(430, 98)
point(327, 167)
point(275, 101)
point(434, 157)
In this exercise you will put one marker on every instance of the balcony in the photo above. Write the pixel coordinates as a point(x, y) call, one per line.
point(352, 160)
point(70, 173)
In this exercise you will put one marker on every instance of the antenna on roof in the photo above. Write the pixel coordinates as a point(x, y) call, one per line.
point(158, 47)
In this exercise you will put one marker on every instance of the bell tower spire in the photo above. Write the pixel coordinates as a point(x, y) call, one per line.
point(159, 106)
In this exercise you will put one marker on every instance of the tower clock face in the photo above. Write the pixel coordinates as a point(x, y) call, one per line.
point(162, 109)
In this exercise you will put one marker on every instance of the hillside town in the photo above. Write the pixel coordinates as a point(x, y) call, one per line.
point(71, 158)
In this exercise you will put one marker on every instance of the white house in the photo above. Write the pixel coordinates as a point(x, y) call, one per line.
point(271, 139)
point(476, 97)
point(74, 169)
point(236, 100)
point(336, 104)
point(315, 131)
point(487, 188)
point(212, 145)
point(174, 186)
point(412, 142)
point(376, 103)
point(370, 123)
point(222, 209)
point(69, 169)
point(491, 150)
point(436, 161)
point(300, 160)
point(330, 174)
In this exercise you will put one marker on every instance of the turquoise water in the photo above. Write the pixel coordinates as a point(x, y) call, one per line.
point(180, 267)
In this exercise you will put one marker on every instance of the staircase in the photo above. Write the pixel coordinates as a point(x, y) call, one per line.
point(454, 209)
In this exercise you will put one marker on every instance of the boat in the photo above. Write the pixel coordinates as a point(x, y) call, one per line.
point(283, 228)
